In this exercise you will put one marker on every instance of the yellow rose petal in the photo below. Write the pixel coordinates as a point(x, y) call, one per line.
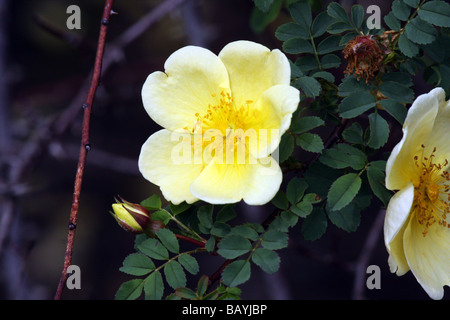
point(397, 215)
point(439, 135)
point(223, 183)
point(275, 108)
point(163, 163)
point(416, 131)
point(253, 69)
point(193, 79)
point(429, 257)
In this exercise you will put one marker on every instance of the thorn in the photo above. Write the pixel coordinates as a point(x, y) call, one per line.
point(72, 226)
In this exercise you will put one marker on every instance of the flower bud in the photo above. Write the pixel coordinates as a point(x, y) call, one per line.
point(132, 217)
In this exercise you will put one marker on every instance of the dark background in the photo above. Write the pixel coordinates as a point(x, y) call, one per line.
point(42, 73)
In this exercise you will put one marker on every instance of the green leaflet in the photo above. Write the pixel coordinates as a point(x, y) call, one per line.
point(315, 225)
point(233, 246)
point(295, 190)
point(266, 259)
point(154, 286)
point(407, 47)
point(420, 31)
point(174, 274)
point(274, 240)
point(286, 147)
point(189, 263)
point(130, 290)
point(310, 142)
point(347, 218)
point(305, 124)
point(356, 103)
point(169, 240)
point(137, 264)
point(436, 12)
point(236, 273)
point(379, 131)
point(343, 156)
point(154, 249)
point(343, 190)
point(400, 10)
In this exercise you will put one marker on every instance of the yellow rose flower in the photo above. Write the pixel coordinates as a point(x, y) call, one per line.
point(223, 117)
point(416, 229)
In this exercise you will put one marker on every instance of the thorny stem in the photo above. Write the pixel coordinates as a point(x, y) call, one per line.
point(187, 239)
point(107, 11)
point(218, 273)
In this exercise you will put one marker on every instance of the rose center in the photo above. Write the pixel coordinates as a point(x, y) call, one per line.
point(224, 114)
point(226, 130)
point(431, 192)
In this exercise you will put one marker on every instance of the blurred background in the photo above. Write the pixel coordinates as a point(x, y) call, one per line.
point(44, 66)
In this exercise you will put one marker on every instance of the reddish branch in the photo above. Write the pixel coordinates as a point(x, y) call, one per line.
point(87, 106)
point(218, 273)
point(187, 239)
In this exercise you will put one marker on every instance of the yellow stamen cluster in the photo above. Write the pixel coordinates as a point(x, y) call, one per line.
point(431, 192)
point(226, 126)
point(225, 114)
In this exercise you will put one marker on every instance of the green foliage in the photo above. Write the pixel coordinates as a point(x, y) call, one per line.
point(163, 264)
point(142, 263)
point(222, 292)
point(343, 156)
